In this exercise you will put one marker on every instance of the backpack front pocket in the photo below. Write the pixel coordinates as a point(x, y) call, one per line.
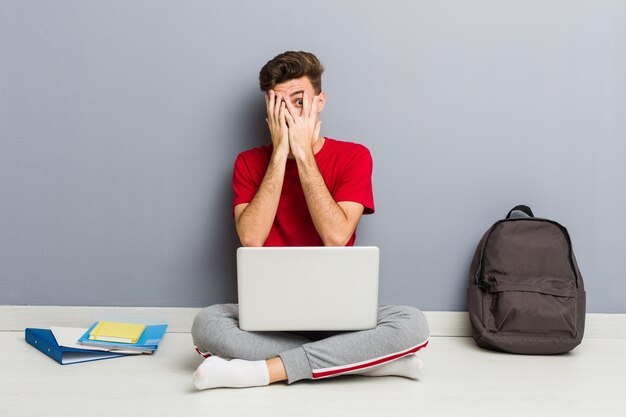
point(513, 305)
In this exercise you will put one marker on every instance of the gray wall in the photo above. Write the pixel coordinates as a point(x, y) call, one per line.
point(120, 121)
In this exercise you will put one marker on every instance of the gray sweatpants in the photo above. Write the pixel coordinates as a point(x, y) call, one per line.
point(401, 330)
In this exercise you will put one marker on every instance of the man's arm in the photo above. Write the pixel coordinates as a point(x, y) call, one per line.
point(254, 220)
point(334, 222)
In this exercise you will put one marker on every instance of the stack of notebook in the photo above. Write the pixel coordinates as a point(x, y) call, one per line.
point(103, 340)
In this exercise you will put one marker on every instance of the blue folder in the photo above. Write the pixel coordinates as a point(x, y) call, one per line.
point(44, 341)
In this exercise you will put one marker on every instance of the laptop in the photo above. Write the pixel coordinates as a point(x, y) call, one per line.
point(307, 288)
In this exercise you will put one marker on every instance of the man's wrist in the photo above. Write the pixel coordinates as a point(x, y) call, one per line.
point(279, 156)
point(305, 157)
point(301, 152)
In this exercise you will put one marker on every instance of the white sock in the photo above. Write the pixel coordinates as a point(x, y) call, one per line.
point(216, 372)
point(409, 366)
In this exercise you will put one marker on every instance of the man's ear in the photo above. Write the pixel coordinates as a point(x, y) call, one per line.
point(321, 100)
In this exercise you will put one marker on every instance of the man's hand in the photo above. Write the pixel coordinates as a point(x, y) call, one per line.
point(277, 122)
point(304, 128)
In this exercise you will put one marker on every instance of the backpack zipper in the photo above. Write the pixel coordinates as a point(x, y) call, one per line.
point(487, 284)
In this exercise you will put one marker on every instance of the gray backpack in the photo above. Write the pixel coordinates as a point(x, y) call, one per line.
point(526, 294)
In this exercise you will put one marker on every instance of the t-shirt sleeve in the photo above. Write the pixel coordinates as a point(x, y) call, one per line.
point(356, 182)
point(244, 184)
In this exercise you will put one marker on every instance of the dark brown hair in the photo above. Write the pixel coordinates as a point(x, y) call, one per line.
point(290, 65)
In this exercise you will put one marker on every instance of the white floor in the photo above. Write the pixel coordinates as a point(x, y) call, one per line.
point(460, 380)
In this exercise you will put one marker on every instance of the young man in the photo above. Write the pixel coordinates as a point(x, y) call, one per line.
point(302, 190)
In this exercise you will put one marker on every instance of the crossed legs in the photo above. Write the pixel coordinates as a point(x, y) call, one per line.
point(265, 357)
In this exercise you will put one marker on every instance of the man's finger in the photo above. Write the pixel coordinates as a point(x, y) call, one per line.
point(306, 105)
point(269, 103)
point(288, 115)
point(281, 115)
point(277, 103)
point(314, 107)
point(291, 110)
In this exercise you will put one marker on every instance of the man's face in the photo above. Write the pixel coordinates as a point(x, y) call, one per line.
point(293, 90)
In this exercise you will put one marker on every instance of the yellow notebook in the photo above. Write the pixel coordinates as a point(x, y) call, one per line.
point(109, 331)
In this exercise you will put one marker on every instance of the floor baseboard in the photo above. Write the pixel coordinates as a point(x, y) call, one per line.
point(179, 319)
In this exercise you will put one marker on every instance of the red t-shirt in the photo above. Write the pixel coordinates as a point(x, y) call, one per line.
point(347, 171)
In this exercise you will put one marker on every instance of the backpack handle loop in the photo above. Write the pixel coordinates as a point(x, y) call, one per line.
point(524, 209)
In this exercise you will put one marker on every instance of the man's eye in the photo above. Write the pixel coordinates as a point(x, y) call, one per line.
point(299, 102)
